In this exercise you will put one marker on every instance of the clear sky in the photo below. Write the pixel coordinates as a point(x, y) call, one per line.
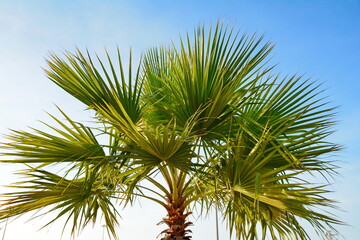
point(320, 39)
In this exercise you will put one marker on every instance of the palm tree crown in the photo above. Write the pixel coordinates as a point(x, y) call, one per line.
point(205, 123)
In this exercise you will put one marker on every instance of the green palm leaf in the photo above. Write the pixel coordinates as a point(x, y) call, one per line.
point(71, 143)
point(205, 74)
point(81, 199)
point(79, 77)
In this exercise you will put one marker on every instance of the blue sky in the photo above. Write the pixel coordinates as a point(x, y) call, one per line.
point(320, 39)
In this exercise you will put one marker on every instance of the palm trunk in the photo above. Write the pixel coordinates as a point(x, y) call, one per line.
point(176, 221)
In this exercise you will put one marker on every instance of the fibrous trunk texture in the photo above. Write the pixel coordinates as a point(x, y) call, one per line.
point(176, 221)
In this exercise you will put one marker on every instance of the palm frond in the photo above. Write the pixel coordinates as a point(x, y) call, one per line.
point(256, 175)
point(81, 199)
point(79, 76)
point(205, 74)
point(71, 143)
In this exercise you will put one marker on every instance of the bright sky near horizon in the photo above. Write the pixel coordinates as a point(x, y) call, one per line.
point(320, 39)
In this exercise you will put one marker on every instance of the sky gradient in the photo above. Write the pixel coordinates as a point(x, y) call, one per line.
point(320, 39)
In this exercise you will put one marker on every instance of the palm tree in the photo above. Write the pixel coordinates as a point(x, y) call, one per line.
point(204, 124)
